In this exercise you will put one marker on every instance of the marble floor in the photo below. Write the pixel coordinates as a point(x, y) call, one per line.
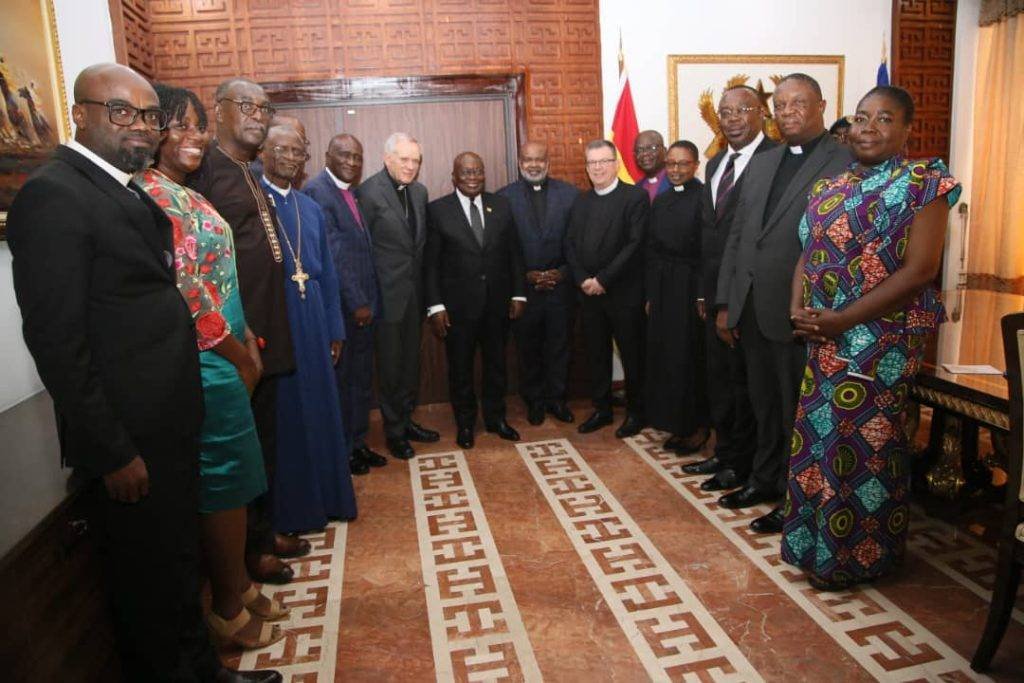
point(585, 558)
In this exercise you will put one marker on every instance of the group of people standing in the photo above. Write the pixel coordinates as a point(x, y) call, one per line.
point(207, 325)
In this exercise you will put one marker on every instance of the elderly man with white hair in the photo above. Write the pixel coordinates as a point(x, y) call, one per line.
point(395, 207)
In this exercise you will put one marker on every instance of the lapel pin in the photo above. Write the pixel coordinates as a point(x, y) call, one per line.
point(487, 209)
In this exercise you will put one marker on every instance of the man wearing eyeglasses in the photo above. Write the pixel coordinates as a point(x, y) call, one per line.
point(243, 114)
point(649, 153)
point(114, 344)
point(605, 252)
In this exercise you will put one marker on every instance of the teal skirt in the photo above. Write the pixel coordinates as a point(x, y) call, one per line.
point(230, 459)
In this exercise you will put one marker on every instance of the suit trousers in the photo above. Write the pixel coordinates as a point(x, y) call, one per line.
point(729, 402)
point(774, 371)
point(398, 369)
point(542, 340)
point(260, 513)
point(354, 373)
point(489, 333)
point(150, 552)
point(605, 320)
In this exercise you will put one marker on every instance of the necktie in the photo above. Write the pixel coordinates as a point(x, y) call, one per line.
point(476, 222)
point(725, 184)
point(351, 203)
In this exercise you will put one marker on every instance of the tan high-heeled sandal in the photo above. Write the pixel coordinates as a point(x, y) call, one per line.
point(276, 611)
point(228, 633)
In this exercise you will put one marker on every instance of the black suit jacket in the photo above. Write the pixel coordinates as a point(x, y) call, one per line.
point(715, 229)
point(469, 279)
point(609, 245)
point(111, 336)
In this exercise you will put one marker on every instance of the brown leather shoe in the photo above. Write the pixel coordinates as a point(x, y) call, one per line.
point(268, 569)
point(287, 547)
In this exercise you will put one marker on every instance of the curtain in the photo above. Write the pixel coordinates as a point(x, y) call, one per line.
point(994, 10)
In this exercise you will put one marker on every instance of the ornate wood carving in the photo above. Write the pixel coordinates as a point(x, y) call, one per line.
point(924, 34)
point(133, 40)
point(556, 44)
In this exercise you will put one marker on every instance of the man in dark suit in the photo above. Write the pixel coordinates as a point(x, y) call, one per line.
point(742, 121)
point(115, 346)
point(475, 283)
point(756, 276)
point(395, 208)
point(605, 251)
point(352, 250)
point(540, 206)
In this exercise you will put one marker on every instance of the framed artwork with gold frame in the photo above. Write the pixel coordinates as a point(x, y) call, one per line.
point(33, 105)
point(696, 82)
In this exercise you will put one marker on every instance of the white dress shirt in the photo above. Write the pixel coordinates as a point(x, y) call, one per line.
point(465, 203)
point(342, 185)
point(117, 174)
point(738, 166)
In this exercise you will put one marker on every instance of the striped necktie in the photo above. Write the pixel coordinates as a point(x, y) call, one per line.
point(725, 184)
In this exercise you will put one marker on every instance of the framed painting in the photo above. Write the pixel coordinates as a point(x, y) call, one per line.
point(33, 106)
point(696, 82)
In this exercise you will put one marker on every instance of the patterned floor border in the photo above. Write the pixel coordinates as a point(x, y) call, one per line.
point(881, 637)
point(309, 651)
point(958, 555)
point(476, 630)
point(673, 634)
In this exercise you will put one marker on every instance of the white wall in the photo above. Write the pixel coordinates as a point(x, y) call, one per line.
point(85, 38)
point(653, 29)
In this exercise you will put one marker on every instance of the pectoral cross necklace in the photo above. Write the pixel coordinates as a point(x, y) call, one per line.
point(300, 275)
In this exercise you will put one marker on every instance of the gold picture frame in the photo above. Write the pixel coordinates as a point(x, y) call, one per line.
point(700, 79)
point(33, 100)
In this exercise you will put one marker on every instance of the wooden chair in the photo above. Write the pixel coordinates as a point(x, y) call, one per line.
point(1011, 535)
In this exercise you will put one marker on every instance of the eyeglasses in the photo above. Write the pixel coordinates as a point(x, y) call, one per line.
point(293, 152)
point(182, 128)
point(728, 113)
point(594, 163)
point(250, 108)
point(124, 114)
point(679, 164)
point(640, 149)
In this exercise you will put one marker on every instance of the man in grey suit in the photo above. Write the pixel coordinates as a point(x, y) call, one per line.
point(756, 280)
point(395, 208)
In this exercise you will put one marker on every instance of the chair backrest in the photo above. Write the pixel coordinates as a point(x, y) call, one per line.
point(1013, 347)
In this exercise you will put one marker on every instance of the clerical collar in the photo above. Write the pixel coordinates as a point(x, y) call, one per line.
point(807, 147)
point(283, 191)
point(678, 188)
point(117, 174)
point(536, 187)
point(657, 177)
point(342, 185)
point(607, 190)
point(394, 183)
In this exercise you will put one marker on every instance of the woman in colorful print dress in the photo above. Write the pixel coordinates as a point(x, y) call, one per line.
point(231, 463)
point(864, 301)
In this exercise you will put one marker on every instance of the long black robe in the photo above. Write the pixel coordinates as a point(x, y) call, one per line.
point(676, 394)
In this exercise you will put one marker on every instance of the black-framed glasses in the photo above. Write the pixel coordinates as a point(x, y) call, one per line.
point(121, 113)
point(250, 108)
point(186, 128)
point(728, 112)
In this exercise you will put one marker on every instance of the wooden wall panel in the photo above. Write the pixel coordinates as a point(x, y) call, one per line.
point(924, 35)
point(198, 43)
point(133, 39)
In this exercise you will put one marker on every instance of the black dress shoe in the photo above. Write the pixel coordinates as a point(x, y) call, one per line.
point(358, 466)
point(709, 466)
point(770, 524)
point(415, 432)
point(631, 426)
point(371, 458)
point(504, 431)
point(464, 438)
point(401, 449)
point(226, 675)
point(597, 419)
point(722, 480)
point(560, 411)
point(535, 414)
point(746, 497)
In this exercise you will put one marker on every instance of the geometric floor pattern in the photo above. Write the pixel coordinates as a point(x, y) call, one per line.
point(571, 557)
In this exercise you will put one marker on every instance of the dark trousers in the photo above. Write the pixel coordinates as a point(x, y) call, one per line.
point(604, 321)
point(729, 403)
point(542, 341)
point(354, 373)
point(774, 370)
point(398, 369)
point(260, 514)
point(150, 552)
point(489, 333)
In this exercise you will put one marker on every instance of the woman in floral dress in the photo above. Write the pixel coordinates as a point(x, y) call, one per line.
point(864, 300)
point(230, 461)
